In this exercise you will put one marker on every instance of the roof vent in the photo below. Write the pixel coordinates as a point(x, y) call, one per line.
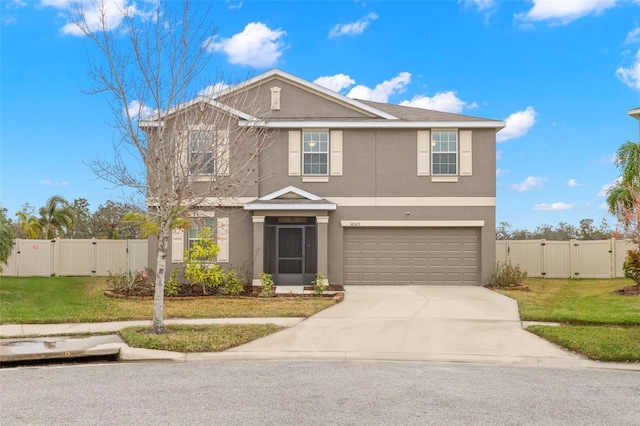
point(275, 98)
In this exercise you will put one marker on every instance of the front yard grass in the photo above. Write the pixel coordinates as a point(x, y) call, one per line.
point(602, 343)
point(197, 338)
point(49, 300)
point(597, 323)
point(577, 301)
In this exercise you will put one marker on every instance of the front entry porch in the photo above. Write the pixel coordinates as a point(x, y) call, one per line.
point(290, 236)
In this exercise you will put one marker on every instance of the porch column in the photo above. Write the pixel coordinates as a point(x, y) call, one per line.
point(258, 248)
point(323, 244)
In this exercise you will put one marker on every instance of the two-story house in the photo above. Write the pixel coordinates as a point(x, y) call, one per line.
point(362, 192)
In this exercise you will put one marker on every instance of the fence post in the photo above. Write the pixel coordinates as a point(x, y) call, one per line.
point(574, 257)
point(18, 251)
point(94, 266)
point(55, 258)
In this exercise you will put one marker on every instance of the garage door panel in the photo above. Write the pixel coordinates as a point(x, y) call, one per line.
point(437, 256)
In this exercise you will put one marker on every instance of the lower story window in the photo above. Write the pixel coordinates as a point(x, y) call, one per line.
point(197, 224)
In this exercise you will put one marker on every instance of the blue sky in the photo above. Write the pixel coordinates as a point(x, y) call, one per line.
point(563, 74)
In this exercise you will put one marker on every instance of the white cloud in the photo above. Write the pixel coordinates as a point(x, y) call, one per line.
point(633, 36)
point(441, 101)
point(603, 206)
point(564, 11)
point(553, 206)
point(481, 5)
point(336, 82)
point(518, 124)
point(631, 75)
point(49, 182)
point(501, 172)
point(498, 155)
point(353, 28)
point(16, 4)
point(139, 110)
point(382, 91)
point(233, 4)
point(213, 90)
point(611, 158)
point(257, 45)
point(573, 183)
point(532, 182)
point(114, 11)
point(605, 188)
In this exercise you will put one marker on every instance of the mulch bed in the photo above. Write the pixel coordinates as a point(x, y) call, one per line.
point(513, 287)
point(632, 290)
point(190, 292)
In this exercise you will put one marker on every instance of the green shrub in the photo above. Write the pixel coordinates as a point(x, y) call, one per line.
point(129, 283)
point(267, 289)
point(232, 285)
point(200, 266)
point(631, 265)
point(318, 284)
point(507, 275)
point(172, 286)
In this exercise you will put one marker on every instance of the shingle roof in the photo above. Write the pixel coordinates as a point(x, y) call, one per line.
point(418, 114)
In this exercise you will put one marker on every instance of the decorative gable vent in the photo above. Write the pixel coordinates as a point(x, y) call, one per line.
point(275, 98)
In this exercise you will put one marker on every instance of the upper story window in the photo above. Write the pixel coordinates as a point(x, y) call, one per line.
point(202, 144)
point(444, 152)
point(315, 152)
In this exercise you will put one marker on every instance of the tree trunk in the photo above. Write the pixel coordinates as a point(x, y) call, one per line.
point(158, 295)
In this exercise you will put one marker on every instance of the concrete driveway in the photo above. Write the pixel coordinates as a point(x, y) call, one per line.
point(422, 323)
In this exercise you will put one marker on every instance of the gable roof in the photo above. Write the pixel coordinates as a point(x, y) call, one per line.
point(273, 73)
point(290, 198)
point(408, 113)
point(381, 115)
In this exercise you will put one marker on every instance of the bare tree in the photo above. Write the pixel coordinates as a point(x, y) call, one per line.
point(188, 146)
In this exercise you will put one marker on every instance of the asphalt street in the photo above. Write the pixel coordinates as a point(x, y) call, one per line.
point(316, 393)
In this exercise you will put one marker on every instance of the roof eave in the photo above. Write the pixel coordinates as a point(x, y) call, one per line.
point(498, 125)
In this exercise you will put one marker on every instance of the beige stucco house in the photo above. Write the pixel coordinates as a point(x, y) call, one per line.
point(362, 192)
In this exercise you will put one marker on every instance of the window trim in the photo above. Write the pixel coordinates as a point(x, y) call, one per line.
point(327, 153)
point(433, 152)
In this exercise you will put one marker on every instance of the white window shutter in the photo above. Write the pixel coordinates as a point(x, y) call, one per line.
point(336, 153)
point(222, 153)
point(295, 159)
point(177, 246)
point(466, 158)
point(222, 236)
point(424, 145)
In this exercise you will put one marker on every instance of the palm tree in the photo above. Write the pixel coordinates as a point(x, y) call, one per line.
point(6, 242)
point(29, 225)
point(620, 197)
point(56, 217)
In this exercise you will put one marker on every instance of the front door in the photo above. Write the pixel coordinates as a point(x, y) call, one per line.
point(290, 247)
point(291, 252)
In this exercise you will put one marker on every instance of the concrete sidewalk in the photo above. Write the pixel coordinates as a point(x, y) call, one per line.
point(404, 323)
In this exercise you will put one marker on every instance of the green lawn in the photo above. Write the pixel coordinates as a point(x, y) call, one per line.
point(81, 299)
point(597, 322)
point(197, 338)
point(602, 343)
point(577, 301)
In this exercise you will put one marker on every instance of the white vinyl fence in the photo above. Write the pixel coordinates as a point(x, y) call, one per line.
point(67, 257)
point(566, 259)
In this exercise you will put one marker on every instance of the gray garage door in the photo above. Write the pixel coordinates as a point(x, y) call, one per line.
point(435, 256)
